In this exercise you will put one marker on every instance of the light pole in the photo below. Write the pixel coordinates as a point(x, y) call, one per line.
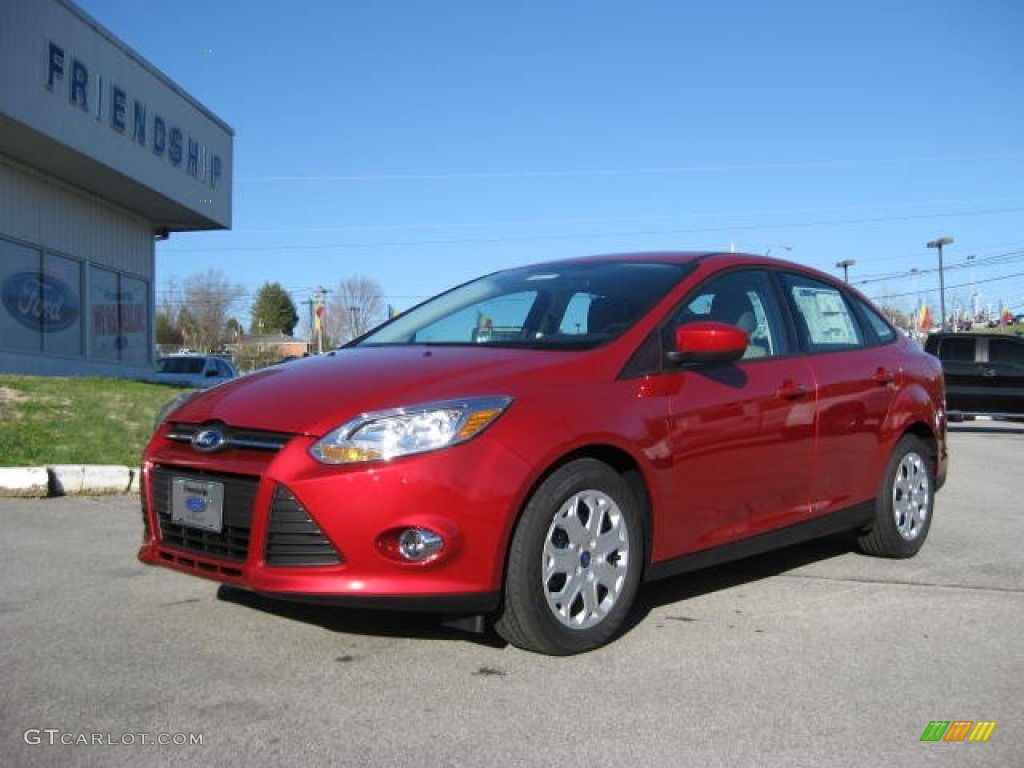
point(845, 265)
point(942, 278)
point(974, 292)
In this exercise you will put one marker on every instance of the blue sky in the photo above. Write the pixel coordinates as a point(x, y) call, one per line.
point(420, 144)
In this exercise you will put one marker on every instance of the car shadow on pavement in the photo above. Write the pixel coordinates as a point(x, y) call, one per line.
point(360, 621)
point(651, 597)
point(676, 589)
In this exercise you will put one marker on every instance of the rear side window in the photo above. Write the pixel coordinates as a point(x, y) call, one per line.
point(959, 350)
point(883, 332)
point(824, 316)
point(1005, 351)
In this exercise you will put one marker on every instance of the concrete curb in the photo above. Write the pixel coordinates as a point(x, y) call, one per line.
point(31, 482)
point(68, 480)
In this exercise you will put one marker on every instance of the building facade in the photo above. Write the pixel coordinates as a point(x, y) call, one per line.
point(100, 156)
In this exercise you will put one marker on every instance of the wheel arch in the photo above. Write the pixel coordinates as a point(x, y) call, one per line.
point(621, 462)
point(914, 413)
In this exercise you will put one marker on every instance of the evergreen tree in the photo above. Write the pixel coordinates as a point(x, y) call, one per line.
point(273, 311)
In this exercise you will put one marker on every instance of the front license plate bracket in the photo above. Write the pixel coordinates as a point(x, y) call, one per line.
point(197, 503)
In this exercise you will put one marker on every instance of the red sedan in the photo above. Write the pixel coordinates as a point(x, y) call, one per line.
point(531, 446)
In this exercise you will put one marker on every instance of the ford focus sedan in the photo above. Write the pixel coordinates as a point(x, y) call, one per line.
point(530, 447)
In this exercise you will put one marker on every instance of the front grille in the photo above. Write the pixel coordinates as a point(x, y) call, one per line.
point(234, 437)
point(292, 536)
point(230, 543)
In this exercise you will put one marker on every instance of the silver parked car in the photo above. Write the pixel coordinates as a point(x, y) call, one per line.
point(198, 371)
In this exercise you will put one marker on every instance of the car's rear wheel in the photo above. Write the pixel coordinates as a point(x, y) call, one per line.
point(903, 508)
point(574, 562)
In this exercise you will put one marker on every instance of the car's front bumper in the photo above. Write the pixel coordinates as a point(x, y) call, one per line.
point(294, 528)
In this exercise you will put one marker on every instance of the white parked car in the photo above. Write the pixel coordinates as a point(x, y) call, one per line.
point(199, 371)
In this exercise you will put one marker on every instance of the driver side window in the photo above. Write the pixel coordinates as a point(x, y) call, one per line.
point(743, 298)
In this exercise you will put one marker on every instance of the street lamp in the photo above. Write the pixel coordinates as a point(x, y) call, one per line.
point(974, 290)
point(845, 265)
point(942, 279)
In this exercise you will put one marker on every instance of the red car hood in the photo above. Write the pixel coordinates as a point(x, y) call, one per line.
point(317, 394)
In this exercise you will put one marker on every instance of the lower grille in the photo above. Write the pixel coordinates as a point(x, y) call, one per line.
point(292, 536)
point(230, 543)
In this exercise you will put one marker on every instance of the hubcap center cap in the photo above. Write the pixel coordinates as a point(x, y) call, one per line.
point(584, 559)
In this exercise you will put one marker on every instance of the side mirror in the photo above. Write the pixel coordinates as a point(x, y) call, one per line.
point(708, 342)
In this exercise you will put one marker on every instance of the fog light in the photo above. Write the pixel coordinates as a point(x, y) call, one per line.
point(416, 544)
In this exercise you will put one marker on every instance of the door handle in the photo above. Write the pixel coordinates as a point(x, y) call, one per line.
point(790, 390)
point(884, 376)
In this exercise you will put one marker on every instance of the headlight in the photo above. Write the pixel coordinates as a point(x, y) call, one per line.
point(171, 407)
point(383, 435)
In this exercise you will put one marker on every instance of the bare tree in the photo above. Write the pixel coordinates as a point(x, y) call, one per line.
point(207, 301)
point(353, 308)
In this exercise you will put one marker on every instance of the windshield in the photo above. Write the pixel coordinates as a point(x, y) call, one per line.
point(566, 305)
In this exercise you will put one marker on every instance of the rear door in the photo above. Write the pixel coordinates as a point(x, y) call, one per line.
point(962, 369)
point(856, 367)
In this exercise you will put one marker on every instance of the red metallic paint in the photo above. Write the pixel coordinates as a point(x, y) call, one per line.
point(724, 452)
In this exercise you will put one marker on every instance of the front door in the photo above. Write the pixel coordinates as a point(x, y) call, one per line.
point(742, 434)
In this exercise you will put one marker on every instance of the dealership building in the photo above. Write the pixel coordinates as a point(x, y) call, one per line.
point(101, 155)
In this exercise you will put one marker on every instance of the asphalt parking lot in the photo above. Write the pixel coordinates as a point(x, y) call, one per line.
point(813, 656)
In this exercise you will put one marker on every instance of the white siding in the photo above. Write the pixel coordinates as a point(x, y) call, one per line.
point(55, 217)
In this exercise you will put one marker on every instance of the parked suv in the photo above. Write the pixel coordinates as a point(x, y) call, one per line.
point(984, 373)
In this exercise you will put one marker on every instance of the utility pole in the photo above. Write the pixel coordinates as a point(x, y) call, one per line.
point(354, 314)
point(321, 301)
point(309, 305)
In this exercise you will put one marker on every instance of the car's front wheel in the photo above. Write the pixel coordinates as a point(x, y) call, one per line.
point(574, 562)
point(903, 509)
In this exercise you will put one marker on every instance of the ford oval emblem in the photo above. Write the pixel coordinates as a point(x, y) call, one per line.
point(209, 440)
point(40, 301)
point(195, 504)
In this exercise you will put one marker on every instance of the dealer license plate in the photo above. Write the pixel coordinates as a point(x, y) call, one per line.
point(197, 503)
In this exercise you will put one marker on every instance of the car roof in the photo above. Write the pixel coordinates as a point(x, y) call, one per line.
point(712, 260)
point(718, 259)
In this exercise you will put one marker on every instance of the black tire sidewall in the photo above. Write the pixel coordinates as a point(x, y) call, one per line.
point(895, 544)
point(525, 561)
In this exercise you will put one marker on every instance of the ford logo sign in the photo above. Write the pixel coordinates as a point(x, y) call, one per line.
point(40, 301)
point(195, 504)
point(209, 440)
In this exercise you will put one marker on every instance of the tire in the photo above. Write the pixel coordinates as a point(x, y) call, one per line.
point(903, 509)
point(574, 563)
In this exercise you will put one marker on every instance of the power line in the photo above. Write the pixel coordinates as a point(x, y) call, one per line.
point(391, 226)
point(954, 287)
point(593, 235)
point(638, 171)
